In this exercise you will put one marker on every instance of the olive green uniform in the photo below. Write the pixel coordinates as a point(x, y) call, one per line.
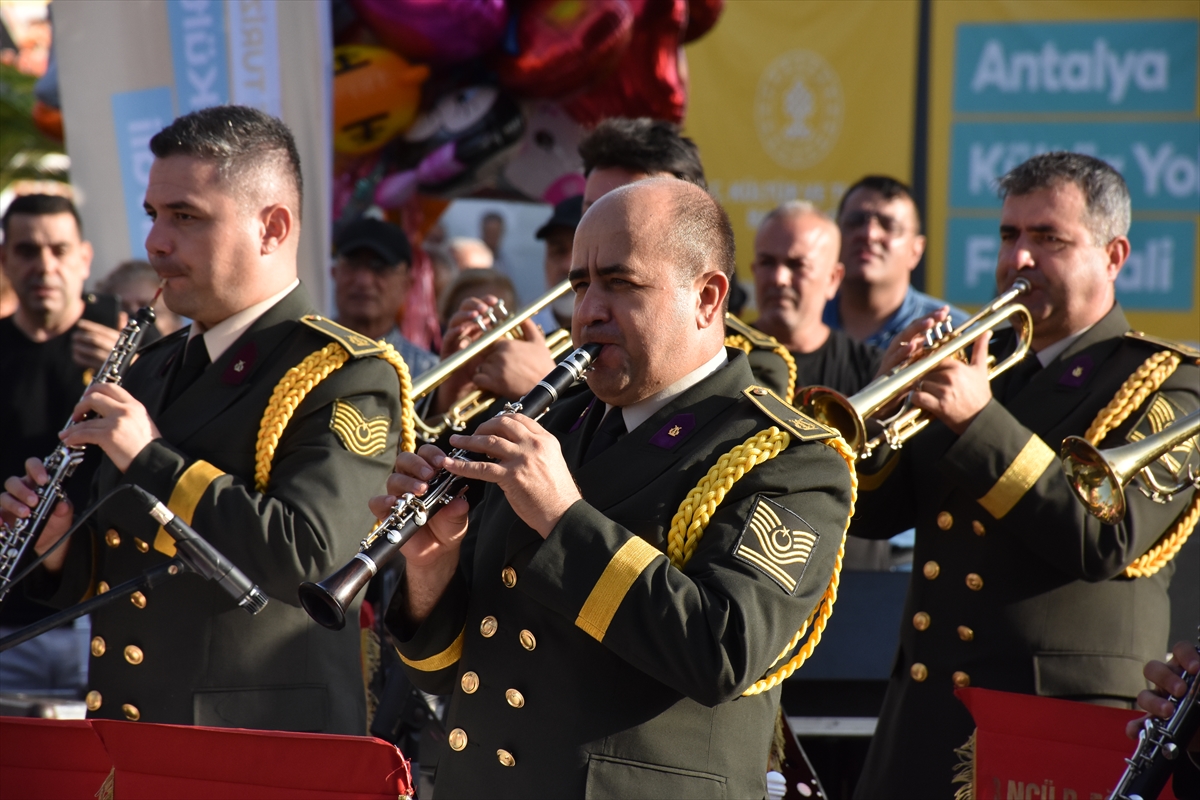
point(188, 654)
point(586, 665)
point(1015, 587)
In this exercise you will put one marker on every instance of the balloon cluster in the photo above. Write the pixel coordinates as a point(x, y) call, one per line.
point(446, 98)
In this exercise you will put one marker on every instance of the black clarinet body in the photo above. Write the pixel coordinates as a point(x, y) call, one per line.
point(326, 602)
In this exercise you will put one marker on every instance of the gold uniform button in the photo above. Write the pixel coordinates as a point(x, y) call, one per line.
point(138, 599)
point(131, 712)
point(94, 700)
point(112, 538)
point(919, 672)
point(469, 682)
point(514, 698)
point(974, 582)
point(134, 655)
point(508, 576)
point(506, 758)
point(528, 640)
point(98, 646)
point(931, 569)
point(101, 587)
point(965, 633)
point(977, 526)
point(458, 740)
point(141, 546)
point(944, 520)
point(961, 679)
point(488, 627)
point(921, 620)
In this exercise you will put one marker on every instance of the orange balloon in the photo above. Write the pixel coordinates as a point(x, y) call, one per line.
point(376, 94)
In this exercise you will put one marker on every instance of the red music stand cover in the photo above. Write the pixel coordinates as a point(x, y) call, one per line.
point(48, 759)
point(1041, 747)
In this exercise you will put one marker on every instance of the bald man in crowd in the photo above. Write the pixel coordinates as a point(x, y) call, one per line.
point(556, 590)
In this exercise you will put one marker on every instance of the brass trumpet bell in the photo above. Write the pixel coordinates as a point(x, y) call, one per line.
point(1099, 477)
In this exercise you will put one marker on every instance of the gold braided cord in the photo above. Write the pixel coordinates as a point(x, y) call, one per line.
point(742, 343)
point(295, 385)
point(292, 388)
point(1144, 382)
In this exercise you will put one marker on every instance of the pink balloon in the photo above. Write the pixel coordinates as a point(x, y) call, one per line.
point(436, 31)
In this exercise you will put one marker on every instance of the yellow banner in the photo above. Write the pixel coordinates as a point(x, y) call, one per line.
point(798, 101)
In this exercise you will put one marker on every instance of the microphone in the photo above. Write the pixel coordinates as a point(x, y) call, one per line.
point(203, 558)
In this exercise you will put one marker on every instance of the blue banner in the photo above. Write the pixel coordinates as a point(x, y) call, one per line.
point(1130, 65)
point(1160, 161)
point(137, 116)
point(198, 53)
point(1159, 275)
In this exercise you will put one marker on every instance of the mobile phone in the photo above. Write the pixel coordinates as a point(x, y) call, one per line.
point(102, 308)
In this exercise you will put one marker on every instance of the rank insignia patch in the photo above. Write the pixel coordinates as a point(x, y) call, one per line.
point(777, 542)
point(360, 435)
point(1172, 466)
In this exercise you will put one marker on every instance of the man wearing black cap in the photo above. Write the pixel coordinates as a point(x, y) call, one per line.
point(371, 279)
point(559, 235)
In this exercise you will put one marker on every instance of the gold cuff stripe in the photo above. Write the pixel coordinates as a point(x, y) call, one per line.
point(442, 660)
point(1020, 476)
point(185, 497)
point(605, 598)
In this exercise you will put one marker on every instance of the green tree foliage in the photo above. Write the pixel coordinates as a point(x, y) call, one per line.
point(22, 145)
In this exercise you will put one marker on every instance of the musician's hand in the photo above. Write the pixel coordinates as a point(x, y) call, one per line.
point(527, 465)
point(18, 502)
point(92, 342)
point(122, 428)
point(514, 366)
point(910, 341)
point(432, 552)
point(956, 392)
point(1166, 680)
point(467, 325)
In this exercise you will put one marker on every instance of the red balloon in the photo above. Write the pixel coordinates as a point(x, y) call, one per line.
point(436, 31)
point(649, 82)
point(702, 16)
point(563, 45)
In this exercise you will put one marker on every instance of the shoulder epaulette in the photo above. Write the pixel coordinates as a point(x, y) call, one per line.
point(357, 345)
point(754, 336)
point(1184, 351)
point(795, 422)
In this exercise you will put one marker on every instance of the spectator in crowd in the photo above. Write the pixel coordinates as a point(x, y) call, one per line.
point(470, 253)
point(371, 280)
point(486, 284)
point(444, 268)
point(136, 283)
point(46, 260)
point(796, 271)
point(881, 246)
point(559, 235)
point(491, 231)
point(8, 297)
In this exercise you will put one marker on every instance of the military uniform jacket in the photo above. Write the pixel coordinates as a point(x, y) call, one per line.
point(586, 665)
point(1015, 587)
point(190, 655)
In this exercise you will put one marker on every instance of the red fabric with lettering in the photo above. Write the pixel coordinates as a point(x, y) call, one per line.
point(50, 758)
point(1041, 748)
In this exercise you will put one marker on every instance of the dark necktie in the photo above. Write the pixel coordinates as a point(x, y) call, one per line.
point(195, 361)
point(1020, 375)
point(611, 429)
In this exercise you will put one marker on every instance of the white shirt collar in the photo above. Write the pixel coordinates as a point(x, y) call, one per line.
point(219, 337)
point(639, 412)
point(1047, 354)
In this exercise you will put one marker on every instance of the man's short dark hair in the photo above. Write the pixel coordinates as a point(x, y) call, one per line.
point(887, 187)
point(700, 236)
point(642, 145)
point(238, 139)
point(1107, 209)
point(41, 205)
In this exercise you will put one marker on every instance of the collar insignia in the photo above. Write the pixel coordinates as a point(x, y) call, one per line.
point(675, 431)
point(239, 368)
point(1077, 372)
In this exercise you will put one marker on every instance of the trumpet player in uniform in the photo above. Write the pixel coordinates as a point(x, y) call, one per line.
point(224, 198)
point(1015, 586)
point(586, 654)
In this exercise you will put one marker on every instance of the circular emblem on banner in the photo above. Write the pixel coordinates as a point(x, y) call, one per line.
point(798, 109)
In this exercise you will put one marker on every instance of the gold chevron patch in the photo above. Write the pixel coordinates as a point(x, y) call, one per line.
point(1160, 414)
point(361, 436)
point(777, 542)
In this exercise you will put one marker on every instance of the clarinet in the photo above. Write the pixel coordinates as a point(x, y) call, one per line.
point(326, 602)
point(61, 464)
point(1161, 743)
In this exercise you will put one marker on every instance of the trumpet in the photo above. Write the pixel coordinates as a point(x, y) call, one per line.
point(1099, 477)
point(326, 602)
point(849, 414)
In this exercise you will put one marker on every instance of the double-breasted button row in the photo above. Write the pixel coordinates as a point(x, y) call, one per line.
point(945, 521)
point(133, 653)
point(489, 625)
point(94, 700)
point(920, 673)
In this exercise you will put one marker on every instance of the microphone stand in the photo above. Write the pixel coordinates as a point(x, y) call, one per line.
point(147, 580)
